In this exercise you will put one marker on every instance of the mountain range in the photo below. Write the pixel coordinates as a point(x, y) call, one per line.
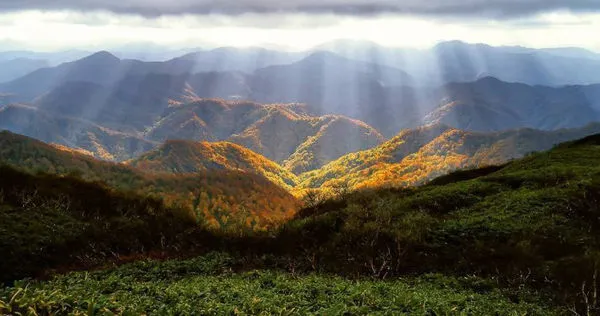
point(456, 61)
point(445, 62)
point(413, 157)
point(118, 109)
point(131, 95)
point(284, 133)
point(308, 120)
point(164, 165)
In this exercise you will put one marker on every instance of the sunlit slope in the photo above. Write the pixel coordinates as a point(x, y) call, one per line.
point(225, 198)
point(185, 157)
point(304, 143)
point(337, 135)
point(285, 133)
point(205, 120)
point(416, 156)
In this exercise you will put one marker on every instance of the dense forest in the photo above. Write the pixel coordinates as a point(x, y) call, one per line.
point(224, 199)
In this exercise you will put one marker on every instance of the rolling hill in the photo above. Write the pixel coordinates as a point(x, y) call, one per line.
point(18, 67)
point(537, 214)
point(284, 133)
point(101, 142)
point(277, 131)
point(245, 60)
point(416, 156)
point(54, 222)
point(486, 104)
point(188, 157)
point(217, 198)
point(134, 102)
point(489, 104)
point(329, 83)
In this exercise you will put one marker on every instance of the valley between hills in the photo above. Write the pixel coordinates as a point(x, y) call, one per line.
point(320, 166)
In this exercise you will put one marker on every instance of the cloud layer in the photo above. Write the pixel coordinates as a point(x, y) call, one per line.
point(474, 8)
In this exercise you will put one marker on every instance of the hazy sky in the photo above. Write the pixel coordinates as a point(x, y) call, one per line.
point(295, 24)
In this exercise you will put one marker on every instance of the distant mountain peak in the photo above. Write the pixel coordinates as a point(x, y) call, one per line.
point(231, 49)
point(456, 44)
point(323, 55)
point(490, 80)
point(453, 43)
point(101, 56)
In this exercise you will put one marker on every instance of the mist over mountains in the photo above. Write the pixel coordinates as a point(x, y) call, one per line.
point(473, 87)
point(301, 110)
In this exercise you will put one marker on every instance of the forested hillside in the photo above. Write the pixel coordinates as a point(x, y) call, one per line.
point(524, 233)
point(285, 133)
point(187, 157)
point(225, 199)
point(59, 222)
point(419, 155)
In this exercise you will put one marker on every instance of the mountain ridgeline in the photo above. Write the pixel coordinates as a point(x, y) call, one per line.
point(281, 132)
point(186, 157)
point(131, 96)
point(419, 155)
point(413, 157)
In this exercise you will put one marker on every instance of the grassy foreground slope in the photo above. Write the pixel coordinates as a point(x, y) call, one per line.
point(207, 286)
point(49, 222)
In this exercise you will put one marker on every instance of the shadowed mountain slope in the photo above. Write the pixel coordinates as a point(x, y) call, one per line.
point(99, 141)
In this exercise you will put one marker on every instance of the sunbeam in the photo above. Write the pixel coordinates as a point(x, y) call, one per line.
point(299, 157)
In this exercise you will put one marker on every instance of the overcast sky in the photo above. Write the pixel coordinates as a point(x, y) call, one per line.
point(295, 24)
